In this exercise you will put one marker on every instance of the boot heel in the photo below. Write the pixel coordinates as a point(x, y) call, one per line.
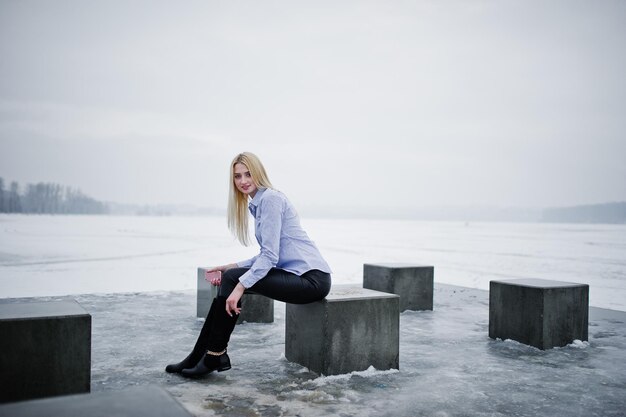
point(224, 364)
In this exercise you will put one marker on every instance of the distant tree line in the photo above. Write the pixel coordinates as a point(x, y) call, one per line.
point(47, 198)
point(596, 213)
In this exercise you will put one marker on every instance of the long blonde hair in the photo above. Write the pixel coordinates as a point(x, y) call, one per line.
point(238, 201)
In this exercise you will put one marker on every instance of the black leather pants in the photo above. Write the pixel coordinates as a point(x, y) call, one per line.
point(281, 285)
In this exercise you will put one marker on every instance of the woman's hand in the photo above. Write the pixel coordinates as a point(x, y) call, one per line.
point(213, 276)
point(214, 279)
point(233, 300)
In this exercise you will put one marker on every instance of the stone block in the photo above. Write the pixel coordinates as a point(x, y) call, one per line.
point(537, 312)
point(255, 308)
point(148, 401)
point(352, 329)
point(45, 350)
point(413, 283)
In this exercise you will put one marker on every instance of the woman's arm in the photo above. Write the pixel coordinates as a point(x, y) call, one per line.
point(233, 300)
point(268, 230)
point(248, 262)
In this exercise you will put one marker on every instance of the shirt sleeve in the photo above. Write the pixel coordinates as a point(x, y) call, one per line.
point(268, 228)
point(247, 263)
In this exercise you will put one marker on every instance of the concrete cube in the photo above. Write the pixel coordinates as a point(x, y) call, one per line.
point(537, 312)
point(255, 308)
point(413, 283)
point(45, 350)
point(149, 401)
point(352, 329)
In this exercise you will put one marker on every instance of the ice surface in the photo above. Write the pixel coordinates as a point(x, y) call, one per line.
point(448, 365)
point(57, 255)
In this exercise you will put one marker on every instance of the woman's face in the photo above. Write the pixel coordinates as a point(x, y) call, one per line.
point(243, 180)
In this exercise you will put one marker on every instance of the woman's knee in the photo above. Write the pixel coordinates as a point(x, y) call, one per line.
point(233, 274)
point(230, 279)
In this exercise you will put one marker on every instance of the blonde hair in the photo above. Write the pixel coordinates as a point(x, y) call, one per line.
point(238, 201)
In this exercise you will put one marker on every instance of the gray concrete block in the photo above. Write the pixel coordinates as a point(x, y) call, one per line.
point(413, 283)
point(352, 329)
point(255, 308)
point(537, 312)
point(45, 350)
point(146, 401)
point(205, 294)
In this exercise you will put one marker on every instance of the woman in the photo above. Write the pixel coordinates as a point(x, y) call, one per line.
point(288, 268)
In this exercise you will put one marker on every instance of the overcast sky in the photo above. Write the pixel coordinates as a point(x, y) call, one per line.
point(348, 103)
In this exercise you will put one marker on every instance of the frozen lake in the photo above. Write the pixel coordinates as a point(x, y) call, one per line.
point(449, 367)
point(136, 276)
point(59, 255)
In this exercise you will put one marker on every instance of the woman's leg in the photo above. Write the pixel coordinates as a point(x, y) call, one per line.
point(230, 279)
point(281, 285)
point(278, 284)
point(214, 356)
point(199, 348)
point(211, 337)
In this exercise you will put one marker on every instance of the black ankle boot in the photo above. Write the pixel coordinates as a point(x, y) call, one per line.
point(201, 344)
point(208, 364)
point(176, 368)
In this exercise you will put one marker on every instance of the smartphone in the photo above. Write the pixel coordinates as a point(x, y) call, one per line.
point(212, 274)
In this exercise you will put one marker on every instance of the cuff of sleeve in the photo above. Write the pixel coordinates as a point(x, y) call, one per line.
point(247, 280)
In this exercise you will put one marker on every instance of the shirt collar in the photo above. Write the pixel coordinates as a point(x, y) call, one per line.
point(255, 201)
